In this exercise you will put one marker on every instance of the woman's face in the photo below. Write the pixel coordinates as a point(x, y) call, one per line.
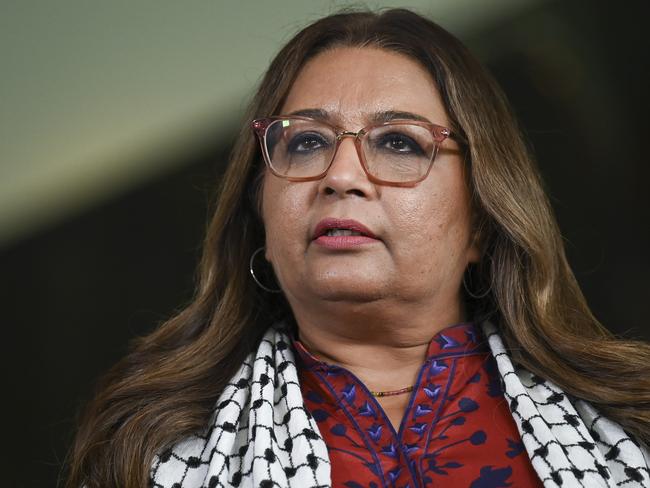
point(423, 240)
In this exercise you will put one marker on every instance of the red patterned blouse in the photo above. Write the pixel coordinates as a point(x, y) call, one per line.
point(457, 430)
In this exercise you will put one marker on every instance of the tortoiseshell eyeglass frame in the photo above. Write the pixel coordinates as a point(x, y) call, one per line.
point(439, 133)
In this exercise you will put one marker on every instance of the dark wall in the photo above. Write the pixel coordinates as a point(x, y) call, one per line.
point(577, 74)
point(72, 296)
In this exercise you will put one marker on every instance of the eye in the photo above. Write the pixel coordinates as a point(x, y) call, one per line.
point(398, 143)
point(307, 142)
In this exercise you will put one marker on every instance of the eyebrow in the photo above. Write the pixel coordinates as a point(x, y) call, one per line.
point(375, 118)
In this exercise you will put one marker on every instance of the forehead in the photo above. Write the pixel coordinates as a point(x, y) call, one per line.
point(353, 83)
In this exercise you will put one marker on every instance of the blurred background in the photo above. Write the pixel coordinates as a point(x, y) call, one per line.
point(116, 120)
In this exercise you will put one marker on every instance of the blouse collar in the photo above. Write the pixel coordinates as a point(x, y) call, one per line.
point(455, 340)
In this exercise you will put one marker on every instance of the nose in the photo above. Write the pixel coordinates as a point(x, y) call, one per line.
point(346, 175)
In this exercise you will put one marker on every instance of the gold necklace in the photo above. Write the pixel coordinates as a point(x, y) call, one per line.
point(392, 392)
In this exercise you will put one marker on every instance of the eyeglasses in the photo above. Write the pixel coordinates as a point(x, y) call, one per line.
point(396, 153)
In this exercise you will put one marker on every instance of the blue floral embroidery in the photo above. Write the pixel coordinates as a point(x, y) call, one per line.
point(367, 410)
point(349, 393)
point(411, 448)
point(375, 432)
point(478, 438)
point(494, 382)
point(390, 450)
point(467, 405)
point(338, 429)
point(418, 428)
point(425, 449)
point(432, 391)
point(446, 342)
point(492, 478)
point(432, 466)
point(437, 367)
point(319, 415)
point(393, 474)
point(315, 397)
point(515, 448)
point(421, 409)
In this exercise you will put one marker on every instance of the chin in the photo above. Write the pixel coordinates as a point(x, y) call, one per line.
point(345, 290)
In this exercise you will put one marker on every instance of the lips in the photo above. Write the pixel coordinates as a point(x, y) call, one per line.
point(342, 235)
point(341, 228)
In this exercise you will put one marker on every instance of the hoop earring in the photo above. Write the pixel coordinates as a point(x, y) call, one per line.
point(476, 297)
point(250, 268)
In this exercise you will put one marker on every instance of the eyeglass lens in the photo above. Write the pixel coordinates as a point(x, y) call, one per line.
point(304, 148)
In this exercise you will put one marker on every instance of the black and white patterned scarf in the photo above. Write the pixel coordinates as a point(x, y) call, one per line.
point(260, 434)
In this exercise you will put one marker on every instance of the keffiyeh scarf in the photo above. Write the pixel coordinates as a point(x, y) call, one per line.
point(261, 435)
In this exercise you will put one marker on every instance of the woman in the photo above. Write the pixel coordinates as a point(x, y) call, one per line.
point(412, 319)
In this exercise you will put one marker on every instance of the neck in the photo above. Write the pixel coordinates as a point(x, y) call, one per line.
point(383, 347)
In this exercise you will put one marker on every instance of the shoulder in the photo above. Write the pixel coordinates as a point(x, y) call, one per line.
point(562, 433)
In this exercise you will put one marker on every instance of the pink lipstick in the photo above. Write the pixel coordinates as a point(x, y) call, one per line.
point(342, 234)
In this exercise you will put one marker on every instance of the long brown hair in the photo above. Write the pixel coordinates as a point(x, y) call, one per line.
point(166, 387)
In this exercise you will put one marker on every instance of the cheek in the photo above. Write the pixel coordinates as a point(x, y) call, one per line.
point(270, 218)
point(283, 213)
point(433, 228)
